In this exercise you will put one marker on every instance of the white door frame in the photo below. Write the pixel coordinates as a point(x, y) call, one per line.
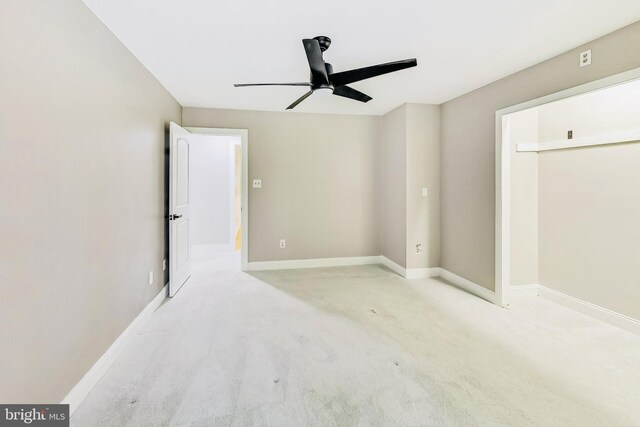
point(244, 141)
point(503, 173)
point(232, 194)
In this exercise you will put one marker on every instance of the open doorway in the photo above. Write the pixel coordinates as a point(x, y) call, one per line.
point(567, 199)
point(218, 196)
point(215, 194)
point(220, 191)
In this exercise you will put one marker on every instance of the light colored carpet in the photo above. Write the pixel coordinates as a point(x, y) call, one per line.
point(362, 346)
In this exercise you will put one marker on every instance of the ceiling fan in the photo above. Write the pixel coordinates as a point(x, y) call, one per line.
point(323, 78)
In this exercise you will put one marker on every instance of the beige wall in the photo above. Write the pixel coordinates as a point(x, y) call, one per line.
point(320, 181)
point(468, 146)
point(523, 128)
point(410, 162)
point(394, 190)
point(81, 219)
point(348, 176)
point(423, 171)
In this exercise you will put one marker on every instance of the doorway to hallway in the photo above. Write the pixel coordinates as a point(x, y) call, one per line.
point(215, 195)
point(208, 199)
point(219, 179)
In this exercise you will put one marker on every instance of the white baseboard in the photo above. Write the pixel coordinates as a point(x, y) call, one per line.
point(410, 273)
point(391, 265)
point(469, 286)
point(620, 320)
point(77, 394)
point(525, 290)
point(423, 273)
point(313, 263)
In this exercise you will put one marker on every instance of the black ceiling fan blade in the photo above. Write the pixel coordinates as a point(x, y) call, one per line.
point(351, 76)
point(270, 84)
point(351, 93)
point(299, 100)
point(316, 63)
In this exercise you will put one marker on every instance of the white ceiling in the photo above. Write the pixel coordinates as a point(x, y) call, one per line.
point(198, 48)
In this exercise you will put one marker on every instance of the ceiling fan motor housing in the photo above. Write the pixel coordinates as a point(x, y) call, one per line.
point(324, 42)
point(320, 84)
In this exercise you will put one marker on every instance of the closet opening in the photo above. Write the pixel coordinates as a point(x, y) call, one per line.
point(567, 199)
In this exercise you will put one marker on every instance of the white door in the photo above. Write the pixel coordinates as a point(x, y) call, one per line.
point(179, 245)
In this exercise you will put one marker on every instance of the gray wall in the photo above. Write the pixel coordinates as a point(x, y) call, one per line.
point(410, 162)
point(82, 133)
point(394, 189)
point(423, 170)
point(320, 181)
point(468, 146)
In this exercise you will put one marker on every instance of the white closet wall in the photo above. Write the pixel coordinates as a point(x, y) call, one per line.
point(579, 207)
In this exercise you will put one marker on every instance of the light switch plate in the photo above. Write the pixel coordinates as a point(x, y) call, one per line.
point(425, 192)
point(257, 183)
point(151, 277)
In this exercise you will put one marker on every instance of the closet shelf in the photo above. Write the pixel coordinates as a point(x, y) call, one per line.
point(588, 141)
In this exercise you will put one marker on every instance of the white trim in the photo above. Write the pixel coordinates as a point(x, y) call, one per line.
point(313, 263)
point(587, 141)
point(503, 212)
point(232, 193)
point(469, 286)
point(423, 273)
point(244, 138)
point(412, 273)
point(604, 314)
point(78, 393)
point(525, 290)
point(502, 165)
point(620, 320)
point(393, 266)
point(606, 82)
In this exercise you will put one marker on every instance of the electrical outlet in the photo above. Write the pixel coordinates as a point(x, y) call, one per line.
point(257, 183)
point(283, 243)
point(164, 265)
point(151, 277)
point(419, 248)
point(585, 58)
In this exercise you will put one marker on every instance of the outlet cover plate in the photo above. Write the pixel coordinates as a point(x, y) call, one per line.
point(585, 58)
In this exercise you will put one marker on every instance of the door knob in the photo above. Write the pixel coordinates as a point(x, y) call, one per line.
point(172, 217)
